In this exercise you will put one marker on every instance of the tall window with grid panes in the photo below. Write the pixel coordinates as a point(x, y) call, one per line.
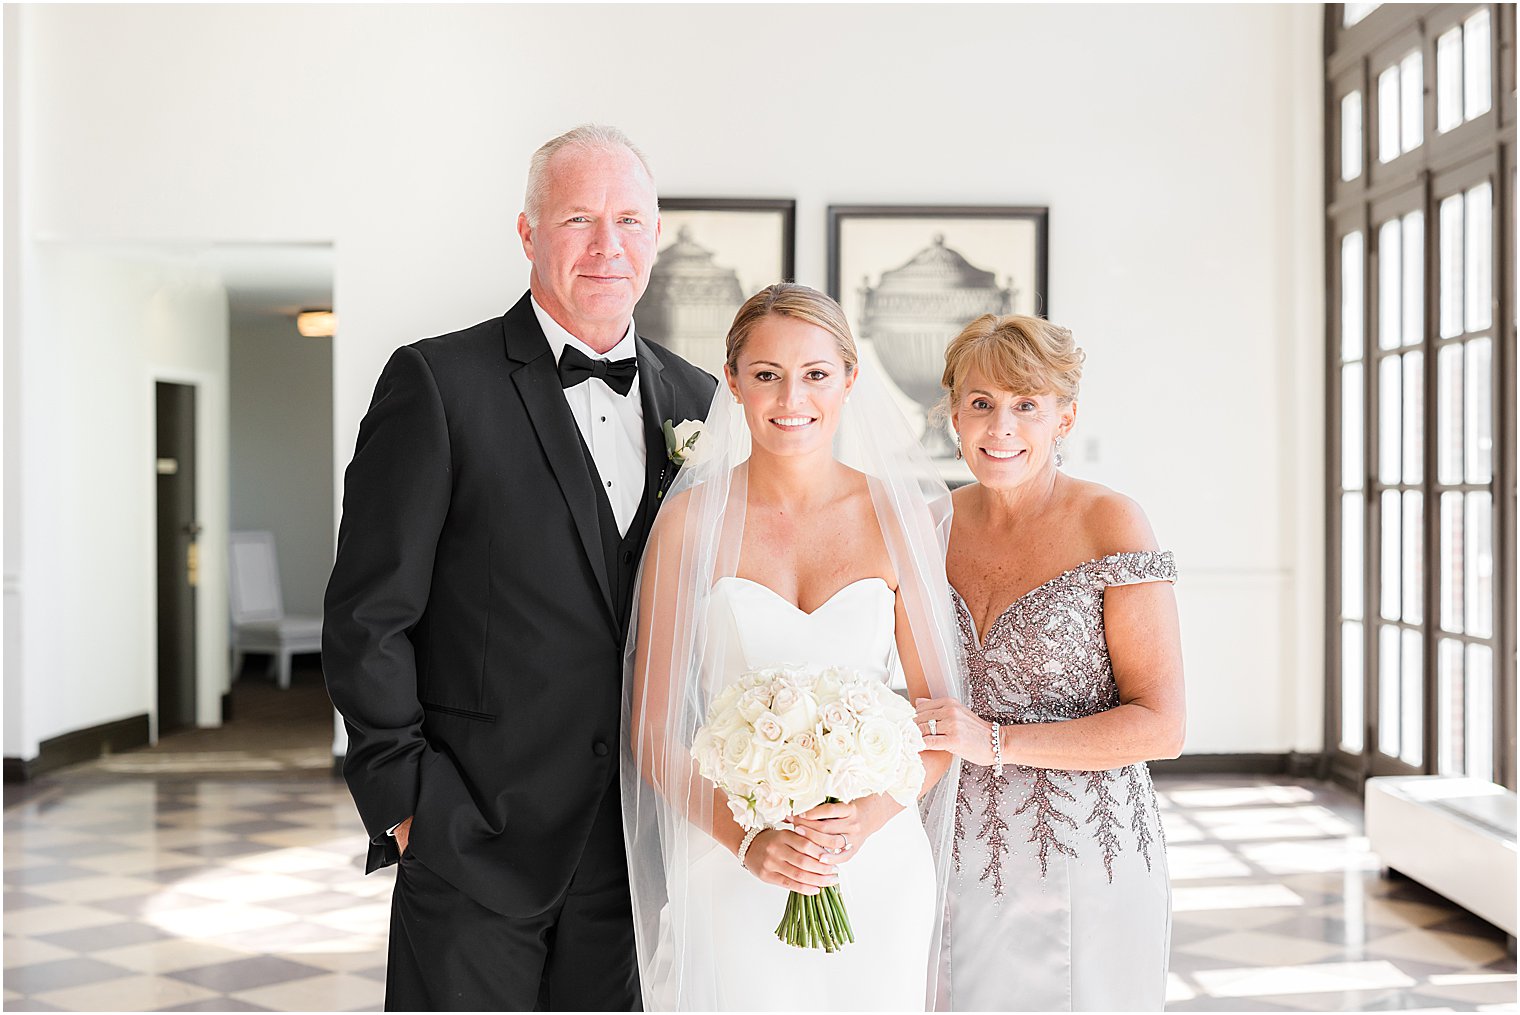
point(1420, 250)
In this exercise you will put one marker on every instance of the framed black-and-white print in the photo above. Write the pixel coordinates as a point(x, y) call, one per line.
point(911, 277)
point(714, 254)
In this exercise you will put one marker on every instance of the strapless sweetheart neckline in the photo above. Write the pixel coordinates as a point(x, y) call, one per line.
point(806, 613)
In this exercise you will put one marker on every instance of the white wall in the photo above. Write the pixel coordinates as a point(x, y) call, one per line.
point(281, 468)
point(10, 367)
point(109, 322)
point(1178, 148)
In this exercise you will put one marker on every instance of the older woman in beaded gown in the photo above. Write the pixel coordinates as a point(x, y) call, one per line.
point(1074, 680)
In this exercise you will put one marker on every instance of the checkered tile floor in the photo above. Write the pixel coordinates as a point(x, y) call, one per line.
point(1278, 906)
point(132, 891)
point(187, 894)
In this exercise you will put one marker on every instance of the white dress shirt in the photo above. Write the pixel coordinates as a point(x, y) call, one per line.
point(611, 424)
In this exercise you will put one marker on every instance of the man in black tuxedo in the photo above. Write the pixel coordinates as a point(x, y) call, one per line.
point(498, 501)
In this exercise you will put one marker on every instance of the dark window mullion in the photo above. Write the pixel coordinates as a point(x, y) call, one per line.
point(1503, 364)
point(1429, 330)
point(1501, 482)
point(1371, 518)
point(1335, 562)
point(1372, 487)
point(1501, 596)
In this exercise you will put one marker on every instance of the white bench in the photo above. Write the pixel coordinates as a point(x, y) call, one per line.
point(1454, 835)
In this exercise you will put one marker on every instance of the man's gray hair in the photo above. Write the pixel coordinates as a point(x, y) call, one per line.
point(586, 137)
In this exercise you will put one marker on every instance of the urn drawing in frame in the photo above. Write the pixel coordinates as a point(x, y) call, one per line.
point(714, 253)
point(910, 277)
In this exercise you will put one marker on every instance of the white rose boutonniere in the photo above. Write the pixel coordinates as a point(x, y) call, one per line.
point(683, 441)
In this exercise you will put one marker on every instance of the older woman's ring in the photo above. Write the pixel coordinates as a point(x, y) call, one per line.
point(933, 725)
point(846, 839)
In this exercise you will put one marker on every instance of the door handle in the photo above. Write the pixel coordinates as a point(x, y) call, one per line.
point(192, 554)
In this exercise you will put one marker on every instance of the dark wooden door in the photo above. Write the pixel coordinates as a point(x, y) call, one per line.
point(177, 556)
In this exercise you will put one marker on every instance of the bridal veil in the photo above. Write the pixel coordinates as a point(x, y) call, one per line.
point(668, 674)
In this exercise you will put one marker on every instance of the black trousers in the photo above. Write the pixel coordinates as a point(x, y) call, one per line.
point(449, 953)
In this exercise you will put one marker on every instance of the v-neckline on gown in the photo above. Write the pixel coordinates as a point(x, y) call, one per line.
point(981, 644)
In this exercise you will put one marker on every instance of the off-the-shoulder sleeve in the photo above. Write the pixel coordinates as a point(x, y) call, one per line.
point(1136, 567)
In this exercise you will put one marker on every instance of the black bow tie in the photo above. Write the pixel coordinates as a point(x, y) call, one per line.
point(575, 367)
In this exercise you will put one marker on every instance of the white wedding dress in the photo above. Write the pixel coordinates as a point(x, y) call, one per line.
point(888, 886)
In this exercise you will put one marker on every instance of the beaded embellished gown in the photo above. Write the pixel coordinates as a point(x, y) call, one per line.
point(1060, 900)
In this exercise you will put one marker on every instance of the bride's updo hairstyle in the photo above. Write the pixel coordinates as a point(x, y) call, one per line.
point(1023, 354)
point(800, 302)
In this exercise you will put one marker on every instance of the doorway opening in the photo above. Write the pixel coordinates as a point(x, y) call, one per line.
point(280, 472)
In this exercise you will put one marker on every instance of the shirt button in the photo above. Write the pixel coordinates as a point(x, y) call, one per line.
point(609, 484)
point(604, 419)
point(599, 749)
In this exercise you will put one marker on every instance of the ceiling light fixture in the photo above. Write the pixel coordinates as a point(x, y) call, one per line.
point(317, 323)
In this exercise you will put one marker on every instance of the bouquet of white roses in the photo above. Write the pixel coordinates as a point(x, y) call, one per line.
point(781, 741)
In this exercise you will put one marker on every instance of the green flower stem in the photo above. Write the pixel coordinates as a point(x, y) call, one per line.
point(836, 916)
point(841, 919)
point(816, 921)
point(786, 930)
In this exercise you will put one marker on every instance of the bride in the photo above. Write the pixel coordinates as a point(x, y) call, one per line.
point(807, 533)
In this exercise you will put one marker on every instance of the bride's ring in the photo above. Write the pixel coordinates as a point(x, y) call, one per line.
point(932, 724)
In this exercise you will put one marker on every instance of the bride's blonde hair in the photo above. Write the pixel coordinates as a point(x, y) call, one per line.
point(800, 302)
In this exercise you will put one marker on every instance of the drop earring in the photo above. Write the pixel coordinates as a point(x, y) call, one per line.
point(1060, 458)
point(957, 446)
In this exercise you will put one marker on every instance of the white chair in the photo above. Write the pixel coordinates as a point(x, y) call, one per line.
point(259, 623)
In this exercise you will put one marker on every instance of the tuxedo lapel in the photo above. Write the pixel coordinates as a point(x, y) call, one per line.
point(659, 401)
point(538, 384)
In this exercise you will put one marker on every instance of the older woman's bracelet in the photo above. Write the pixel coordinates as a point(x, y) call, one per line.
point(997, 749)
point(749, 837)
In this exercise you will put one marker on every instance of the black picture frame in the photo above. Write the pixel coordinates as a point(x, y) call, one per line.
point(918, 274)
point(1037, 215)
point(784, 207)
point(715, 252)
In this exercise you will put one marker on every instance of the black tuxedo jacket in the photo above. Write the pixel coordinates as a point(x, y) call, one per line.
point(472, 639)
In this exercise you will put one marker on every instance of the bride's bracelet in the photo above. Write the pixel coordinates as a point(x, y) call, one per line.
point(997, 748)
point(749, 837)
